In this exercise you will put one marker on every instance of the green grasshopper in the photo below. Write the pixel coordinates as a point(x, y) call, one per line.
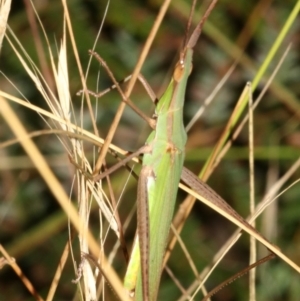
point(161, 173)
point(159, 178)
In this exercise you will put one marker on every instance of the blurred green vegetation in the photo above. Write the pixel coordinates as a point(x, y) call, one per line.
point(34, 229)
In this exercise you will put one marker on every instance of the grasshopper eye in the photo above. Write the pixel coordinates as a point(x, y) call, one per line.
point(178, 71)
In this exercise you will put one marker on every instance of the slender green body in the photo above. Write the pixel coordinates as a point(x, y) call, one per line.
point(158, 185)
point(162, 169)
point(159, 179)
